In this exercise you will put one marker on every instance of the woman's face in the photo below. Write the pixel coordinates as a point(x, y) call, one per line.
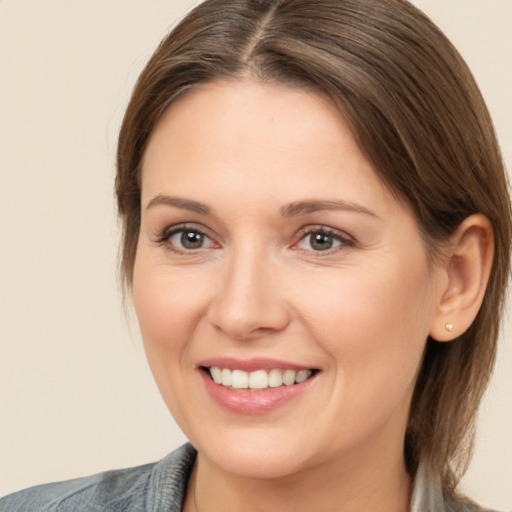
point(270, 250)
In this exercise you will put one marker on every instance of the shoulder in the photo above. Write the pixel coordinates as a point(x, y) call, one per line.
point(429, 496)
point(151, 487)
point(455, 503)
point(82, 493)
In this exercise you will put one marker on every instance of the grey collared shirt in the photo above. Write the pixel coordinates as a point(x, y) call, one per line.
point(161, 487)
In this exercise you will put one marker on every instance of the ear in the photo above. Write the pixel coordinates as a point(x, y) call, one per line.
point(467, 267)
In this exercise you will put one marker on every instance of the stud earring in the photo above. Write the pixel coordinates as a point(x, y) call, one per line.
point(449, 327)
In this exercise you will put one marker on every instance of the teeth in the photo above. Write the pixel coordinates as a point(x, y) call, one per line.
point(216, 374)
point(302, 375)
point(289, 377)
point(226, 377)
point(275, 378)
point(259, 379)
point(239, 379)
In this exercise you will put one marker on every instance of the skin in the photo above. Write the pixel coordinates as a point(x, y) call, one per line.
point(360, 312)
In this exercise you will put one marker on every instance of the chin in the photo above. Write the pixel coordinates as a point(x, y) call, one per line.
point(258, 459)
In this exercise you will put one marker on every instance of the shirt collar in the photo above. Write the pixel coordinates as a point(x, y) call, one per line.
point(427, 495)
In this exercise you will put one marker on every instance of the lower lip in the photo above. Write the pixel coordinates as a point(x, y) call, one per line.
point(253, 402)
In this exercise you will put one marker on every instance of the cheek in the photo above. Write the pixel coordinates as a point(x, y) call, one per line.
point(374, 326)
point(167, 303)
point(381, 301)
point(167, 308)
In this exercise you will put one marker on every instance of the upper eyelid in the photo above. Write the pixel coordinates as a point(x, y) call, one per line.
point(345, 240)
point(163, 239)
point(164, 234)
point(337, 233)
point(161, 236)
point(176, 228)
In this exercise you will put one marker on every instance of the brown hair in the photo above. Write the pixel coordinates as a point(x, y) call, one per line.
point(417, 114)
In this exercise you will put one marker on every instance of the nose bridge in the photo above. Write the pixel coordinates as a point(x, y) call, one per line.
point(249, 300)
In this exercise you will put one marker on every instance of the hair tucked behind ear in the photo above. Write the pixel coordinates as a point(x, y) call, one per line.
point(417, 114)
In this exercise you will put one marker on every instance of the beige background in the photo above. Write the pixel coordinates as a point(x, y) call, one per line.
point(76, 394)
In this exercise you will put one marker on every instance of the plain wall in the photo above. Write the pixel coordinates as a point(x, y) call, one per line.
point(76, 395)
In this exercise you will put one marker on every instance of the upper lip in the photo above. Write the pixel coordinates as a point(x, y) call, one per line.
point(253, 364)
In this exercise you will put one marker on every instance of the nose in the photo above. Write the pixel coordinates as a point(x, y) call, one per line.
point(249, 302)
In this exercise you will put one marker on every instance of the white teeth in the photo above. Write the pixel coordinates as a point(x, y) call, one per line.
point(275, 378)
point(239, 379)
point(216, 375)
point(226, 377)
point(302, 375)
point(259, 379)
point(289, 377)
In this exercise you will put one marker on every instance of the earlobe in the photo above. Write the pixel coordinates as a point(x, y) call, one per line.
point(467, 265)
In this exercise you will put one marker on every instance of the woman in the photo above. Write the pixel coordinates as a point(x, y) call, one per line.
point(317, 240)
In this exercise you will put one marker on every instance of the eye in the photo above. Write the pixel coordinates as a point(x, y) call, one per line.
point(188, 239)
point(322, 240)
point(183, 239)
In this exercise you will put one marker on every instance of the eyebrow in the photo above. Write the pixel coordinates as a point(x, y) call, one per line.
point(305, 207)
point(178, 202)
point(289, 210)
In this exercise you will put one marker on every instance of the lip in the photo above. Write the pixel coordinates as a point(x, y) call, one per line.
point(252, 402)
point(251, 365)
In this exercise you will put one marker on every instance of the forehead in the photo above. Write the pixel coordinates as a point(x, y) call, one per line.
point(248, 112)
point(255, 132)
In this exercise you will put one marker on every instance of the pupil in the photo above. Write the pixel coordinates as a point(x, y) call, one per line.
point(192, 240)
point(321, 242)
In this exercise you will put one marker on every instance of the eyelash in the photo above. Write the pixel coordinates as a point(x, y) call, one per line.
point(165, 236)
point(344, 240)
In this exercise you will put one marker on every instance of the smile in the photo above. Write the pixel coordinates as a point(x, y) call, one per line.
point(257, 380)
point(255, 386)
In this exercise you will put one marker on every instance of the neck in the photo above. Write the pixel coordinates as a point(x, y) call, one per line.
point(378, 484)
